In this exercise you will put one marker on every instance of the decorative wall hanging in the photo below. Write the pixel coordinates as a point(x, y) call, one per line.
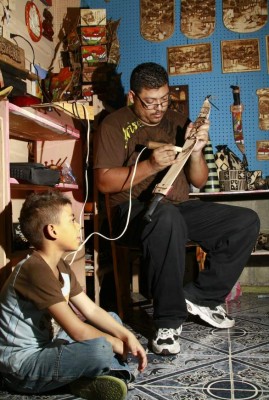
point(11, 54)
point(47, 25)
point(244, 16)
point(93, 54)
point(237, 109)
point(241, 55)
point(93, 35)
point(113, 45)
point(189, 59)
point(263, 105)
point(47, 2)
point(157, 19)
point(33, 21)
point(197, 18)
point(267, 51)
point(92, 16)
point(179, 98)
point(262, 147)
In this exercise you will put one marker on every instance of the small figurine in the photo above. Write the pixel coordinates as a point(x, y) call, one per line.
point(260, 184)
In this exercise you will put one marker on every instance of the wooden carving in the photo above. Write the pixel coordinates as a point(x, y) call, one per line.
point(244, 16)
point(197, 18)
point(263, 104)
point(157, 19)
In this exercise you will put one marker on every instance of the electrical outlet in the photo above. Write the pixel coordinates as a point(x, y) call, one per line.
point(12, 5)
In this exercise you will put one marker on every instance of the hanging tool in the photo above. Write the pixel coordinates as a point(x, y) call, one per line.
point(237, 109)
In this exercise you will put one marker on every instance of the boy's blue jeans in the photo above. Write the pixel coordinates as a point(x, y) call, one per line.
point(65, 361)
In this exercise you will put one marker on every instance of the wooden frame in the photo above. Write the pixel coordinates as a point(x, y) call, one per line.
point(157, 19)
point(242, 55)
point(190, 59)
point(92, 16)
point(267, 50)
point(93, 54)
point(262, 147)
point(92, 35)
point(179, 95)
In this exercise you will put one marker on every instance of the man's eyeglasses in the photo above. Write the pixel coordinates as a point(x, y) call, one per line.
point(153, 106)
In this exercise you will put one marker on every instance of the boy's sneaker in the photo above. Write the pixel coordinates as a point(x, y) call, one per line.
point(105, 387)
point(216, 317)
point(166, 341)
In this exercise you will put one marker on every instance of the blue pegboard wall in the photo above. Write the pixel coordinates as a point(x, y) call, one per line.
point(135, 50)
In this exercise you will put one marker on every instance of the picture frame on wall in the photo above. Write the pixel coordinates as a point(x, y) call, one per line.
point(93, 54)
point(92, 35)
point(262, 149)
point(241, 55)
point(189, 59)
point(267, 50)
point(179, 96)
point(92, 16)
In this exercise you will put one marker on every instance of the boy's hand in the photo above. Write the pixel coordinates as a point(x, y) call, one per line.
point(133, 346)
point(130, 345)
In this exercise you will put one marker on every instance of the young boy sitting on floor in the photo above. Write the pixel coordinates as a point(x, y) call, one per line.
point(43, 343)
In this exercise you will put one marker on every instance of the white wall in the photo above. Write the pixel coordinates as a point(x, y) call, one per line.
point(44, 49)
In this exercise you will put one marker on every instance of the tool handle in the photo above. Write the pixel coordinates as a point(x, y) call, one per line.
point(153, 204)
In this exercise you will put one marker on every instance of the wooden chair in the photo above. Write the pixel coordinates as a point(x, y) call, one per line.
point(126, 263)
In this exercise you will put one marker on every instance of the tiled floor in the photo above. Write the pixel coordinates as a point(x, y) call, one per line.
point(213, 363)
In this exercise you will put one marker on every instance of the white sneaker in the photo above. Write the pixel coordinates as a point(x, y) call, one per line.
point(216, 317)
point(166, 341)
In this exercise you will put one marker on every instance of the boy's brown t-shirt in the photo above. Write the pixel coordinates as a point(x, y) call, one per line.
point(36, 282)
point(120, 138)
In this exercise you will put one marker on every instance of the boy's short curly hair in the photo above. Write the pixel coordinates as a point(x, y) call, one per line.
point(38, 211)
point(148, 76)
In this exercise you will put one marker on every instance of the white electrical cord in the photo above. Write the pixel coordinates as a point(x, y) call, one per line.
point(86, 196)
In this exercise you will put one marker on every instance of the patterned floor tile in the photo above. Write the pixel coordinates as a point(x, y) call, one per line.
point(229, 364)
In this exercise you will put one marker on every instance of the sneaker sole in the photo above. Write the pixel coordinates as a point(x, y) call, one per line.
point(165, 352)
point(195, 311)
point(100, 388)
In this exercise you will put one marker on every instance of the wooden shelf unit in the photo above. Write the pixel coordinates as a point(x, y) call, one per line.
point(30, 124)
point(18, 125)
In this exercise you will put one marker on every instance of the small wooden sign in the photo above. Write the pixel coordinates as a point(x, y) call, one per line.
point(12, 54)
point(92, 16)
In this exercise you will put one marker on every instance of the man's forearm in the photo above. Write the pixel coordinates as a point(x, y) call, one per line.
point(119, 179)
point(197, 170)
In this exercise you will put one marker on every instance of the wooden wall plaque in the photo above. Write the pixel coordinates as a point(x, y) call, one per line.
point(12, 54)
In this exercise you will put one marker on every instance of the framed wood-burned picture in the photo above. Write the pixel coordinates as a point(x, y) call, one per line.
point(262, 147)
point(190, 59)
point(242, 55)
point(267, 51)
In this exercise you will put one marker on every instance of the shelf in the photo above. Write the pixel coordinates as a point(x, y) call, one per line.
point(26, 123)
point(248, 194)
point(260, 253)
point(37, 188)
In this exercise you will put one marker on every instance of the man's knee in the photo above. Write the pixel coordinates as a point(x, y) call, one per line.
point(168, 216)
